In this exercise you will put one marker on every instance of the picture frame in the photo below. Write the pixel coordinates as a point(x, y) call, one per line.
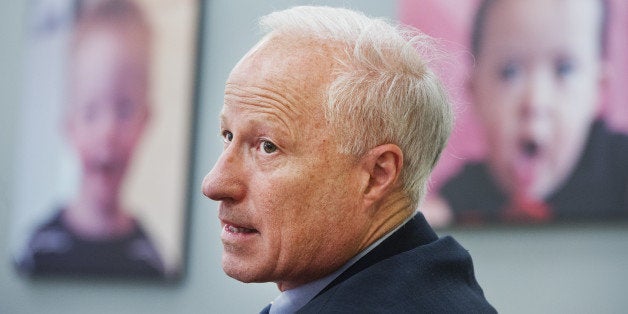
point(462, 192)
point(106, 136)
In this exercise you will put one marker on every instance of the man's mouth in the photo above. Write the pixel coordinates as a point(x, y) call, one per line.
point(237, 229)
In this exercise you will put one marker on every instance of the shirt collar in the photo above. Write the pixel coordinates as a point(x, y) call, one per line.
point(292, 300)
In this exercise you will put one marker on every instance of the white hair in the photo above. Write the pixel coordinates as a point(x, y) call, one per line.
point(382, 92)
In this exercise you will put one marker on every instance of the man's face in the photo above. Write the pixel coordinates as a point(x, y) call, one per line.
point(536, 89)
point(108, 109)
point(288, 200)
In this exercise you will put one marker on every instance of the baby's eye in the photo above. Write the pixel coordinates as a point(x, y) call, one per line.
point(509, 71)
point(563, 68)
point(89, 112)
point(268, 147)
point(227, 136)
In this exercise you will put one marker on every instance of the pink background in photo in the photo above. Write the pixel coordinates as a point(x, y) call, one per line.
point(450, 21)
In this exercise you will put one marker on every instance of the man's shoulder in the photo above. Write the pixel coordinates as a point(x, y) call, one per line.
point(437, 277)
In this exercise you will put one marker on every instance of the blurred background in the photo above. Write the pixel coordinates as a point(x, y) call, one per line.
point(567, 268)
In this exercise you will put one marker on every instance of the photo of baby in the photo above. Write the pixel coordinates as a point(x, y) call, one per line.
point(539, 87)
point(108, 110)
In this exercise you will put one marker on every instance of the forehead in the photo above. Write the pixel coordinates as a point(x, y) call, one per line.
point(100, 42)
point(283, 73)
point(543, 22)
point(104, 52)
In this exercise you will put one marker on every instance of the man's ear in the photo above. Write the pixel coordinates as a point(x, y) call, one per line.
point(383, 164)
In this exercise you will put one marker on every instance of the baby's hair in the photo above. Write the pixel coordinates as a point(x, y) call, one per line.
point(124, 15)
point(125, 19)
point(479, 20)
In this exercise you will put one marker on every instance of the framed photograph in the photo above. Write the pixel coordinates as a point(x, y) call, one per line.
point(539, 92)
point(106, 126)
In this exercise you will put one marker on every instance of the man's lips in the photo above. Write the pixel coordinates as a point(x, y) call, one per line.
point(236, 228)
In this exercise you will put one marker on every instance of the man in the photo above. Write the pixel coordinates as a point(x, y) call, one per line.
point(331, 126)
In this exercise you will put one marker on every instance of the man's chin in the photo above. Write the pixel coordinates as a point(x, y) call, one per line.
point(240, 273)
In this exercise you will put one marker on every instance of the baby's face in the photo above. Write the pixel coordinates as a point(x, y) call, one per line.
point(536, 87)
point(108, 107)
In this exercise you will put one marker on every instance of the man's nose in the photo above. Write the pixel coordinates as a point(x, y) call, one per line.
point(226, 180)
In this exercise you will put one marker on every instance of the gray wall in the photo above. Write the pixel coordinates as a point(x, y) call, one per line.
point(567, 269)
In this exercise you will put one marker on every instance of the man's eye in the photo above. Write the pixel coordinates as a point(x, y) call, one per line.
point(227, 136)
point(269, 147)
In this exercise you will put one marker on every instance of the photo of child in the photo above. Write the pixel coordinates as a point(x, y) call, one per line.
point(110, 114)
point(537, 85)
point(104, 120)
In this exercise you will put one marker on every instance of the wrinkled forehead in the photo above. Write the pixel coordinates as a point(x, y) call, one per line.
point(301, 68)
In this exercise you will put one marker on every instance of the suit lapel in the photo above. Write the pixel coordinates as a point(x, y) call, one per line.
point(266, 310)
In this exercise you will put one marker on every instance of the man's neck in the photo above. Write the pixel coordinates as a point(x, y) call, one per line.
point(290, 301)
point(388, 215)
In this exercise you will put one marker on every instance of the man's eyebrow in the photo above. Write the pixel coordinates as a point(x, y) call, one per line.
point(269, 122)
point(222, 117)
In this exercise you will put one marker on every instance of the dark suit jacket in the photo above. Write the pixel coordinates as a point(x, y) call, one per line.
point(412, 271)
